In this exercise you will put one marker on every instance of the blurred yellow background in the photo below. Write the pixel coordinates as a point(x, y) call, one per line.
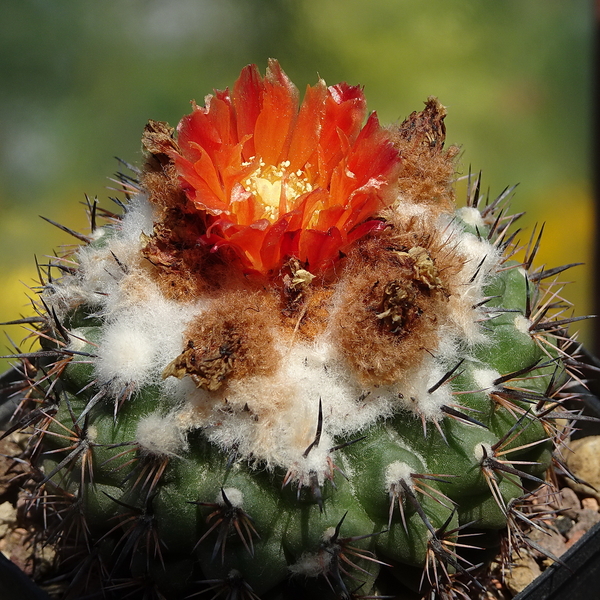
point(80, 80)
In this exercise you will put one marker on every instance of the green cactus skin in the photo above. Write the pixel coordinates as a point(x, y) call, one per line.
point(159, 500)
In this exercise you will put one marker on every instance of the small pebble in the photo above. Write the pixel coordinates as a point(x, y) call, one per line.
point(522, 573)
point(590, 503)
point(586, 519)
point(563, 524)
point(568, 503)
point(8, 516)
point(574, 538)
point(584, 464)
point(551, 542)
point(8, 513)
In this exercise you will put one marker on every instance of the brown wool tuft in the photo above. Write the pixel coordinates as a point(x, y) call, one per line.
point(304, 300)
point(310, 317)
point(160, 179)
point(428, 170)
point(184, 269)
point(232, 339)
point(394, 295)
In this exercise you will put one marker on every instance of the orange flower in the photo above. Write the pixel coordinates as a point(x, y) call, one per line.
point(275, 181)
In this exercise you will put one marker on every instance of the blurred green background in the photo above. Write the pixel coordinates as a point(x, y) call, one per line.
point(80, 78)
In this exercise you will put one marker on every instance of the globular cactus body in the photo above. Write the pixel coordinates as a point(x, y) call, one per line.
point(291, 364)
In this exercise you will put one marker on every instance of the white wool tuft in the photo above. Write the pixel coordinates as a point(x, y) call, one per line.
point(233, 495)
point(319, 373)
point(407, 208)
point(125, 354)
point(144, 333)
point(484, 379)
point(477, 252)
point(138, 220)
point(482, 450)
point(413, 390)
point(77, 340)
point(480, 260)
point(471, 216)
point(287, 406)
point(317, 563)
point(98, 233)
point(312, 564)
point(522, 324)
point(396, 472)
point(92, 433)
point(328, 534)
point(160, 435)
point(101, 270)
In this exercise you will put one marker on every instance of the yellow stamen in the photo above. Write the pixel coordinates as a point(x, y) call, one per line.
point(268, 182)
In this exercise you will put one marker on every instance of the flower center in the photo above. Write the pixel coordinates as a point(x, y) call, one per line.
point(276, 188)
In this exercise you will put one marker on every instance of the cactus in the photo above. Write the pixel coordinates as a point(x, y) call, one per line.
point(291, 366)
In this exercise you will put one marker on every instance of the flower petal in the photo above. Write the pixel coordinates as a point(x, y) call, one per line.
point(306, 134)
point(247, 100)
point(274, 124)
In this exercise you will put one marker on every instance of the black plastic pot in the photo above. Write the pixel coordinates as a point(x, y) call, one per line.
point(575, 577)
point(15, 585)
